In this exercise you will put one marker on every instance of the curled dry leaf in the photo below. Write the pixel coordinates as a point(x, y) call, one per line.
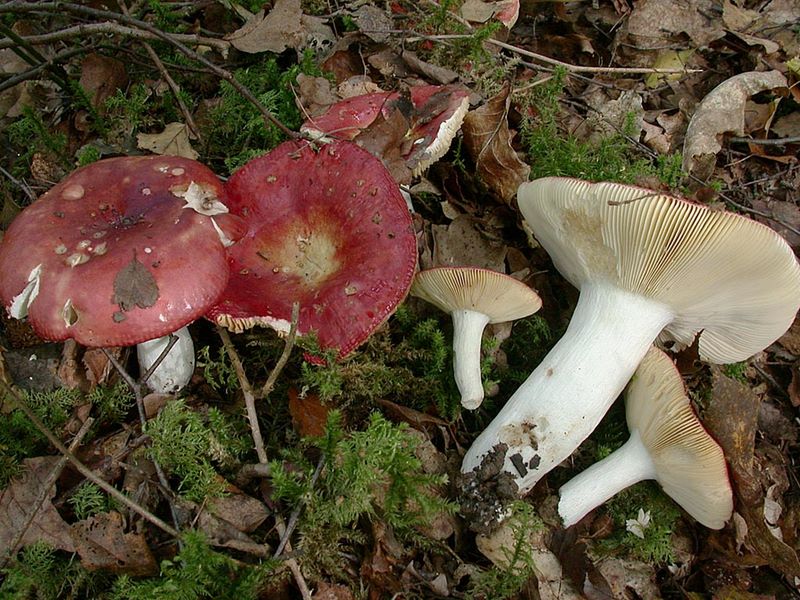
point(284, 27)
point(16, 503)
point(655, 21)
point(174, 140)
point(102, 543)
point(488, 141)
point(722, 111)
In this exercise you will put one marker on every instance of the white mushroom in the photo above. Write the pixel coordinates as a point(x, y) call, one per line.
point(668, 443)
point(646, 264)
point(474, 297)
point(175, 371)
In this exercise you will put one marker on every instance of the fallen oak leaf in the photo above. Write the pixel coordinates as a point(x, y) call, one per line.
point(174, 141)
point(102, 543)
point(285, 26)
point(488, 141)
point(134, 286)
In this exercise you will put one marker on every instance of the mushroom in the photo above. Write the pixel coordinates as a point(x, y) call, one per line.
point(474, 297)
point(120, 252)
point(328, 229)
point(434, 117)
point(668, 443)
point(646, 264)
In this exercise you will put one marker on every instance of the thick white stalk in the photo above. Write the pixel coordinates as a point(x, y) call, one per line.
point(468, 326)
point(176, 369)
point(629, 464)
point(565, 398)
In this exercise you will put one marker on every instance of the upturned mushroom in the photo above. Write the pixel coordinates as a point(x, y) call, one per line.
point(668, 443)
point(122, 251)
point(327, 228)
point(474, 297)
point(647, 265)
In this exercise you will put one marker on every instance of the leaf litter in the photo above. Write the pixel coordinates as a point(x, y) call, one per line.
point(464, 214)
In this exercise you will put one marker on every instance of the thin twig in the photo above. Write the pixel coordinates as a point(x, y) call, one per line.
point(247, 392)
point(26, 189)
point(83, 469)
point(176, 90)
point(77, 9)
point(287, 351)
point(293, 518)
point(767, 142)
point(48, 483)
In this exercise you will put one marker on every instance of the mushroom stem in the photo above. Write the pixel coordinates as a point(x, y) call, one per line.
point(177, 366)
point(629, 464)
point(468, 326)
point(565, 398)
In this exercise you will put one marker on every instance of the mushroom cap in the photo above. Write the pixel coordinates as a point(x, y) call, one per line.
point(500, 297)
point(329, 229)
point(690, 465)
point(731, 280)
point(119, 258)
point(345, 120)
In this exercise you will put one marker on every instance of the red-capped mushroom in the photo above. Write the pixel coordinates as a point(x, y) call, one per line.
point(122, 251)
point(328, 229)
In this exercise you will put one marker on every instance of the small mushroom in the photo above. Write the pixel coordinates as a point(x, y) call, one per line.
point(668, 443)
point(648, 265)
point(474, 297)
point(328, 229)
point(122, 251)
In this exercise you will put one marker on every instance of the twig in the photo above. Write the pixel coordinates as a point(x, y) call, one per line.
point(77, 9)
point(83, 469)
point(247, 392)
point(287, 350)
point(176, 91)
point(20, 184)
point(85, 29)
point(293, 518)
point(768, 141)
point(48, 483)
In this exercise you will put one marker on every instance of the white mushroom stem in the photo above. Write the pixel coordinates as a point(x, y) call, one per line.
point(565, 398)
point(176, 369)
point(629, 464)
point(468, 326)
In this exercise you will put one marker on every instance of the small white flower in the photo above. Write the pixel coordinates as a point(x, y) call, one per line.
point(639, 524)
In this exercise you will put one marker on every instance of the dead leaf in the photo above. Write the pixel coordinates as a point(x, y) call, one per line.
point(244, 512)
point(17, 500)
point(309, 414)
point(478, 11)
point(488, 141)
point(314, 94)
point(655, 21)
point(787, 125)
point(385, 138)
point(461, 243)
point(103, 543)
point(101, 77)
point(284, 27)
point(737, 437)
point(435, 72)
point(134, 286)
point(737, 18)
point(627, 576)
point(373, 22)
point(174, 140)
point(331, 591)
point(722, 111)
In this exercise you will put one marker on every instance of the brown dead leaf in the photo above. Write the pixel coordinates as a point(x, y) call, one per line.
point(386, 138)
point(101, 77)
point(488, 141)
point(332, 591)
point(17, 500)
point(732, 418)
point(135, 286)
point(720, 112)
point(98, 367)
point(373, 22)
point(435, 72)
point(309, 414)
point(102, 543)
point(314, 94)
point(244, 512)
point(284, 27)
point(174, 140)
point(653, 22)
point(461, 243)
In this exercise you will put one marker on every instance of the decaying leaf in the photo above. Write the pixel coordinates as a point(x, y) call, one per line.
point(462, 243)
point(479, 11)
point(732, 418)
point(134, 286)
point(244, 512)
point(102, 543)
point(722, 111)
point(654, 21)
point(373, 22)
point(174, 140)
point(284, 27)
point(101, 77)
point(309, 414)
point(488, 141)
point(17, 500)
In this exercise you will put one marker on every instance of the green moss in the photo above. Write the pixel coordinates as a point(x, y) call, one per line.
point(87, 500)
point(736, 371)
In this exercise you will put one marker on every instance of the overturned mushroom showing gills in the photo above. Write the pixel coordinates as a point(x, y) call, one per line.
point(668, 443)
point(122, 251)
point(329, 229)
point(646, 264)
point(474, 297)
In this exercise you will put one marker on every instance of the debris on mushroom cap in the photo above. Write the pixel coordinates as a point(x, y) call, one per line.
point(329, 229)
point(114, 254)
point(499, 296)
point(685, 255)
point(690, 465)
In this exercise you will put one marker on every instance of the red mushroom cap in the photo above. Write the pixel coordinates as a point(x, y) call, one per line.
point(345, 120)
point(328, 229)
point(116, 255)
